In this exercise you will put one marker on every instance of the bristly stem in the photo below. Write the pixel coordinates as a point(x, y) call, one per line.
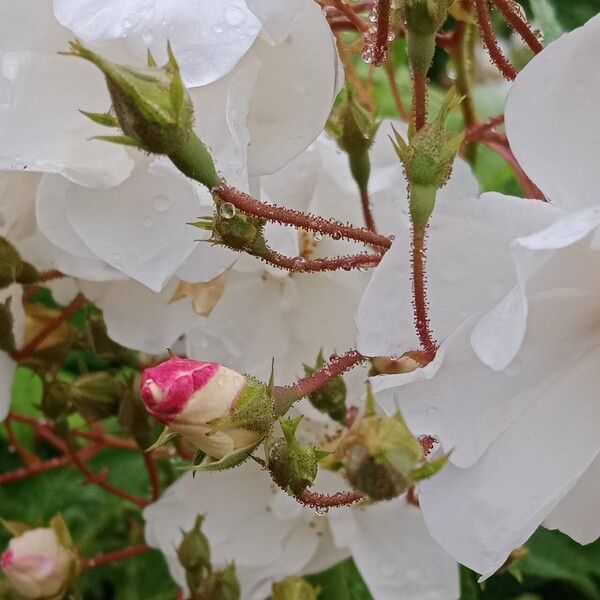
point(351, 15)
point(284, 397)
point(300, 264)
point(489, 39)
point(419, 283)
point(318, 501)
point(419, 108)
point(511, 13)
point(380, 42)
point(286, 216)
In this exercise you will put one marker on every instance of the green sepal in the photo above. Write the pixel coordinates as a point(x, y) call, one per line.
point(122, 140)
point(59, 526)
point(104, 119)
point(164, 438)
point(429, 469)
point(231, 460)
point(150, 60)
point(16, 528)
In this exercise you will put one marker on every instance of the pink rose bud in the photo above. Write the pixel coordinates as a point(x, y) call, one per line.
point(213, 407)
point(37, 565)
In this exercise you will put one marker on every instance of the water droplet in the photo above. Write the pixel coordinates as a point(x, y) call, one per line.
point(218, 28)
point(317, 236)
point(334, 358)
point(227, 210)
point(432, 410)
point(148, 222)
point(126, 23)
point(321, 511)
point(336, 235)
point(234, 16)
point(161, 203)
point(363, 269)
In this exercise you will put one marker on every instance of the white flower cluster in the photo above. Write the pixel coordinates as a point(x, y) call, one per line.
point(513, 284)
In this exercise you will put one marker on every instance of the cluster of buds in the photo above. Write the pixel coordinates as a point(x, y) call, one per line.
point(221, 412)
point(40, 563)
point(293, 464)
point(203, 581)
point(428, 158)
point(354, 128)
point(422, 19)
point(380, 457)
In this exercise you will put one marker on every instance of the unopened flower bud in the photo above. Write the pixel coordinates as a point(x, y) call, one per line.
point(354, 128)
point(293, 464)
point(331, 398)
point(218, 410)
point(428, 158)
point(39, 563)
point(151, 104)
point(381, 457)
point(295, 588)
point(194, 550)
point(226, 585)
point(422, 19)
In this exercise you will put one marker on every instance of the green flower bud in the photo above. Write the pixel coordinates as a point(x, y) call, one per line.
point(97, 395)
point(331, 398)
point(13, 269)
point(295, 588)
point(194, 551)
point(354, 128)
point(428, 158)
point(235, 230)
point(152, 106)
point(293, 464)
point(422, 19)
point(226, 585)
point(381, 457)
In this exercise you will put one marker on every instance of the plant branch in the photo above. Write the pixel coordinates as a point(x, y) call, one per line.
point(512, 15)
point(116, 556)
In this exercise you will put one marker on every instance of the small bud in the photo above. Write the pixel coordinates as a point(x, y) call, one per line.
point(13, 269)
point(331, 398)
point(295, 588)
point(152, 106)
point(194, 550)
point(41, 563)
point(422, 19)
point(222, 413)
point(428, 158)
point(235, 230)
point(381, 457)
point(293, 464)
point(354, 128)
point(226, 585)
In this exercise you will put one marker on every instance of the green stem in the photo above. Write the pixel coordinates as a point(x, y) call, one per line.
point(194, 160)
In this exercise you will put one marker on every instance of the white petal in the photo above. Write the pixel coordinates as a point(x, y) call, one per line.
point(575, 514)
point(17, 205)
point(467, 405)
point(480, 514)
point(139, 318)
point(546, 260)
point(277, 16)
point(140, 227)
point(395, 554)
point(7, 373)
point(239, 525)
point(294, 92)
point(468, 269)
point(550, 118)
point(43, 131)
point(208, 37)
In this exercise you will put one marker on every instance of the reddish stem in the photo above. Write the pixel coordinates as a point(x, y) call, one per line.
point(50, 275)
point(30, 459)
point(478, 130)
point(349, 13)
point(419, 281)
point(327, 501)
point(153, 476)
point(116, 556)
point(27, 350)
point(490, 42)
point(302, 265)
point(513, 17)
point(419, 100)
point(391, 75)
point(101, 480)
point(365, 203)
point(380, 43)
point(337, 230)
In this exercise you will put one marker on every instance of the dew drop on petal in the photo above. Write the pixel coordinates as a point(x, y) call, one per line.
point(161, 203)
point(234, 16)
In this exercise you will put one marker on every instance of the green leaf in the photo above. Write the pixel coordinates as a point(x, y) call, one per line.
point(104, 119)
